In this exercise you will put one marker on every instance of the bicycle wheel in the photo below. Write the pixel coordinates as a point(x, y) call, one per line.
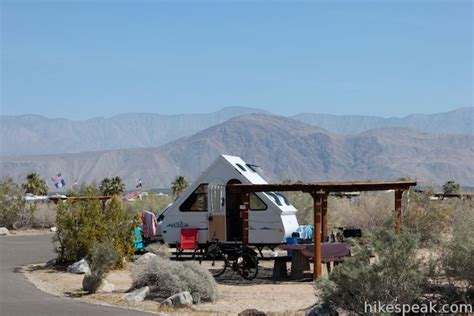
point(219, 261)
point(247, 266)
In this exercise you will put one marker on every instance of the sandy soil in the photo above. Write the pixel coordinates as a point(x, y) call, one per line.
point(235, 293)
point(30, 232)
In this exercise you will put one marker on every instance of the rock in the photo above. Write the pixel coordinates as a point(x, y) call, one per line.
point(321, 310)
point(137, 295)
point(79, 267)
point(105, 287)
point(93, 284)
point(53, 229)
point(51, 263)
point(179, 300)
point(144, 259)
point(252, 312)
point(4, 231)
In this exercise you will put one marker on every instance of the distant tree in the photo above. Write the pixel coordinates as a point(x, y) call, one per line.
point(35, 185)
point(405, 178)
point(179, 185)
point(113, 186)
point(451, 187)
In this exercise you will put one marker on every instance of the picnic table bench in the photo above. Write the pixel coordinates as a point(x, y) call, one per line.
point(303, 254)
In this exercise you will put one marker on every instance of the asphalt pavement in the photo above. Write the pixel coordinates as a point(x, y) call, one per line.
point(20, 297)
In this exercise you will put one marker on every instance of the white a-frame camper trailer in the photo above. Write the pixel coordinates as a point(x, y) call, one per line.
point(215, 211)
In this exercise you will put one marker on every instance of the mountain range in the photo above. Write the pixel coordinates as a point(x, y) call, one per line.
point(283, 148)
point(36, 135)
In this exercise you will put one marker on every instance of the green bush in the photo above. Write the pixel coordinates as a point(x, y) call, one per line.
point(103, 256)
point(396, 275)
point(82, 224)
point(12, 203)
point(166, 278)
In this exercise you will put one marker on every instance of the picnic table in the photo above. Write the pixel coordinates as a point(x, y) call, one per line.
point(304, 253)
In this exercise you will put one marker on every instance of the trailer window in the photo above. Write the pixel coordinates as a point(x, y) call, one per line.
point(256, 203)
point(241, 167)
point(283, 198)
point(197, 201)
point(275, 197)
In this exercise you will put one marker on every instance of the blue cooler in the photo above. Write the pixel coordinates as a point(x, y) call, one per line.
point(291, 241)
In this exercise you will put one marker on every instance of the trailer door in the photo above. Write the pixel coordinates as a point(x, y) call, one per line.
point(216, 216)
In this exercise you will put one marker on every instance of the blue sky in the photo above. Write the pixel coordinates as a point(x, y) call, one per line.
point(82, 59)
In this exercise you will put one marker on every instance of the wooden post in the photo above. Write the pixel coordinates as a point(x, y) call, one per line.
point(245, 217)
point(317, 202)
point(398, 209)
point(324, 216)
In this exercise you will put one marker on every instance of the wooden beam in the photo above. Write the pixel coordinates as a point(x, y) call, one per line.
point(398, 210)
point(317, 203)
point(342, 186)
point(324, 216)
point(245, 217)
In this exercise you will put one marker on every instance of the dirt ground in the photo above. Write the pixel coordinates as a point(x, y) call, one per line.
point(235, 294)
point(30, 232)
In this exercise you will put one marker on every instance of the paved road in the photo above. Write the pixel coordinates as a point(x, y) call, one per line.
point(19, 297)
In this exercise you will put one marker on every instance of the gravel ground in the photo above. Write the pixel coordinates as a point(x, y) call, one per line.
point(235, 293)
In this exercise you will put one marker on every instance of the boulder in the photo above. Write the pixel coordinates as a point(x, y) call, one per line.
point(144, 259)
point(79, 267)
point(4, 231)
point(179, 300)
point(137, 296)
point(51, 263)
point(53, 229)
point(105, 287)
point(321, 310)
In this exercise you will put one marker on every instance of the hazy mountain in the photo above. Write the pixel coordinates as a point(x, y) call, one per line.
point(32, 134)
point(283, 147)
point(459, 121)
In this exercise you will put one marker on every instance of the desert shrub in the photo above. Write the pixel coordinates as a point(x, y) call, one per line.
point(396, 274)
point(370, 210)
point(151, 202)
point(44, 215)
point(430, 219)
point(103, 256)
point(167, 278)
point(12, 203)
point(83, 223)
point(159, 249)
point(458, 252)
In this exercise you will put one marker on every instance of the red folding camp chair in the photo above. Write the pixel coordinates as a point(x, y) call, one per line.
point(188, 240)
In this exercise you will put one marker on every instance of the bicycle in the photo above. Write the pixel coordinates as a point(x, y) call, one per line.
point(241, 259)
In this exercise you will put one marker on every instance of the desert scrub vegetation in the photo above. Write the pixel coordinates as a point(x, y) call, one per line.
point(166, 278)
point(81, 224)
point(151, 202)
point(103, 256)
point(384, 268)
point(159, 249)
point(16, 213)
point(457, 259)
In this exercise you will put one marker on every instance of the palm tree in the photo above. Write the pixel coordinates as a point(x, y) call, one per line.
point(179, 185)
point(35, 185)
point(113, 186)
